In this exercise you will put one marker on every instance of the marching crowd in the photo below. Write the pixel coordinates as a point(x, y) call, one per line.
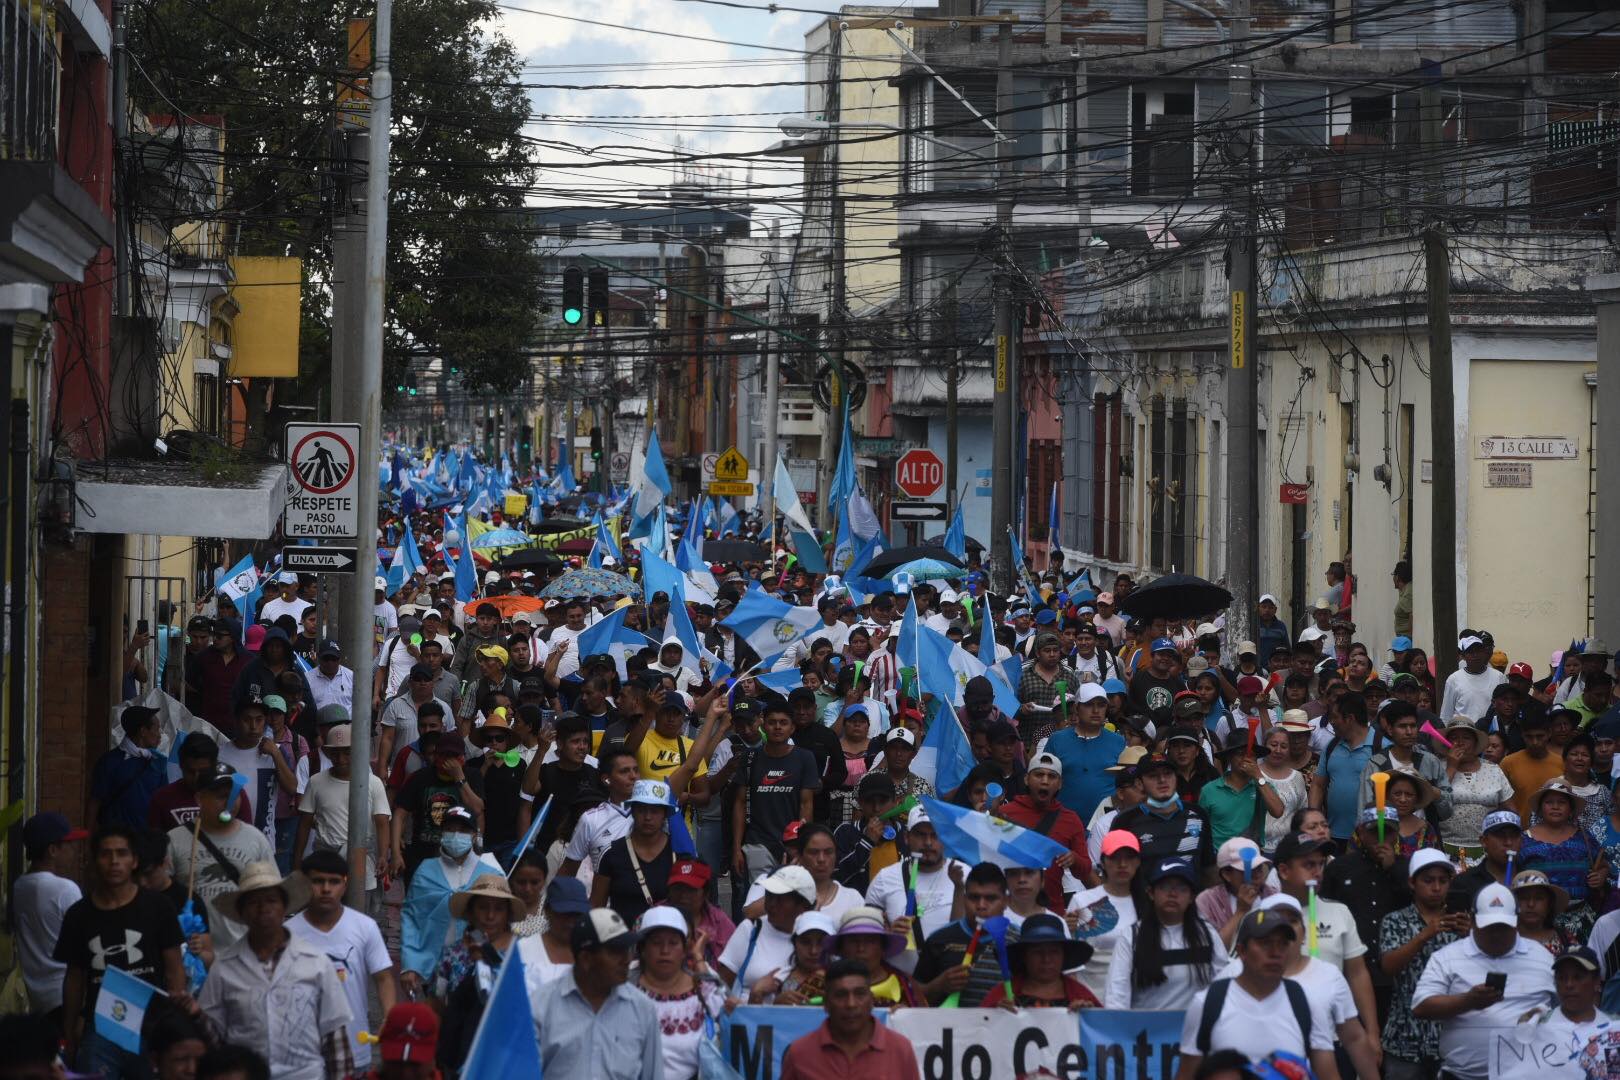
point(1310, 844)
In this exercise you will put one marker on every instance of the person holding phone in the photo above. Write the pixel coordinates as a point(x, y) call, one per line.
point(1483, 982)
point(1407, 939)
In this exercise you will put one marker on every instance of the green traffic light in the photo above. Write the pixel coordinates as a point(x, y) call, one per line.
point(573, 316)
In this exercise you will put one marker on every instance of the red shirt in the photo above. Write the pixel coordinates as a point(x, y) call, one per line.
point(1067, 829)
point(216, 678)
point(176, 804)
point(817, 1057)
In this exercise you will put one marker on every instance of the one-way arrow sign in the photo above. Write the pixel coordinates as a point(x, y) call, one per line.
point(319, 560)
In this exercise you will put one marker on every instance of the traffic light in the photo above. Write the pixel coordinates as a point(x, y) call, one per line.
point(596, 444)
point(598, 297)
point(573, 303)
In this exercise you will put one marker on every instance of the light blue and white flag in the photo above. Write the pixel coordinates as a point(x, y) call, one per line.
point(243, 587)
point(768, 625)
point(842, 484)
point(945, 757)
point(649, 479)
point(974, 836)
point(956, 535)
point(805, 543)
point(505, 1044)
point(121, 1007)
point(784, 682)
point(609, 635)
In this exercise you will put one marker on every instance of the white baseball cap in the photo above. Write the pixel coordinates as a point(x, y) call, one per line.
point(381, 584)
point(1495, 906)
point(662, 917)
point(793, 881)
point(918, 816)
point(1424, 858)
point(1049, 762)
point(1092, 692)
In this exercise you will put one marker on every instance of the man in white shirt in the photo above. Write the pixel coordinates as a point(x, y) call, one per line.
point(287, 603)
point(330, 683)
point(39, 900)
point(1578, 980)
point(938, 880)
point(352, 941)
point(1257, 1012)
point(1468, 689)
point(567, 635)
point(324, 810)
point(1486, 981)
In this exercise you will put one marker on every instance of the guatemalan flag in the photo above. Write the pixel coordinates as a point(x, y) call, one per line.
point(121, 1007)
point(769, 625)
point(974, 836)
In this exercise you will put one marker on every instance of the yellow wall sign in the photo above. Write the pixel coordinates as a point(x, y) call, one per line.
point(1001, 364)
point(1240, 340)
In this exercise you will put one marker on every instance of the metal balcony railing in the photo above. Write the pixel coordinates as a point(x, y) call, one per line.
point(29, 70)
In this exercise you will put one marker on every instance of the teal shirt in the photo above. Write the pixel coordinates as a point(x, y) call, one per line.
point(1231, 813)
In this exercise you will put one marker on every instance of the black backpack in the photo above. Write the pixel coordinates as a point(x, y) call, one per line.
point(1215, 1001)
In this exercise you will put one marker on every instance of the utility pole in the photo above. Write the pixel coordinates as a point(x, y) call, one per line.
point(1243, 372)
point(1442, 403)
point(836, 389)
point(953, 375)
point(1002, 421)
point(369, 412)
point(772, 342)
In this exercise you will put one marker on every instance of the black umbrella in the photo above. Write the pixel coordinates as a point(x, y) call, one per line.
point(972, 544)
point(560, 523)
point(1175, 596)
point(888, 562)
point(736, 551)
point(529, 559)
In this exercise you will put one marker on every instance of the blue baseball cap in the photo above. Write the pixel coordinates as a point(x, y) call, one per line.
point(1177, 868)
point(566, 896)
point(1401, 644)
point(1114, 686)
point(1163, 644)
point(1045, 617)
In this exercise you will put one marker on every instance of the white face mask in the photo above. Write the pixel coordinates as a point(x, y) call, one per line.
point(456, 844)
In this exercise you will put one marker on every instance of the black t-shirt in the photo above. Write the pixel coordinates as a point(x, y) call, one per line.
point(131, 938)
point(625, 893)
point(503, 792)
point(774, 784)
point(566, 786)
point(1153, 695)
point(947, 947)
point(426, 797)
point(820, 741)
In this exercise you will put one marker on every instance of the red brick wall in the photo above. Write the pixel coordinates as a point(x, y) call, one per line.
point(78, 657)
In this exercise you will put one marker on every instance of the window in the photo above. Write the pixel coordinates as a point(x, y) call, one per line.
point(1114, 439)
point(1161, 142)
point(1173, 488)
point(1045, 469)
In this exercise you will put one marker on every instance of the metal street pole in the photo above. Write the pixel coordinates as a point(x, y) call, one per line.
point(1242, 378)
point(369, 365)
point(1002, 421)
point(773, 367)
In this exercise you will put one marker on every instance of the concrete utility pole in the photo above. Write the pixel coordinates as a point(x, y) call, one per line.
point(1442, 396)
point(836, 389)
point(771, 341)
point(1243, 374)
point(360, 645)
point(1002, 419)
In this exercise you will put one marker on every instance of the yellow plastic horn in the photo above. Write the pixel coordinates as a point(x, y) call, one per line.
point(1380, 782)
point(366, 1038)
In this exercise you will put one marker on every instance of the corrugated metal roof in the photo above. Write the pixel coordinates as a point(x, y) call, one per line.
point(1423, 22)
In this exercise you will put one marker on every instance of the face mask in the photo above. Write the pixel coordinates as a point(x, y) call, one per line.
point(1160, 804)
point(456, 844)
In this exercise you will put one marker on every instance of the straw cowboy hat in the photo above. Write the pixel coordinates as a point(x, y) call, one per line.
point(264, 875)
point(488, 885)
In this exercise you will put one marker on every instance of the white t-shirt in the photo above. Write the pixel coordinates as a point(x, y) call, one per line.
point(569, 664)
point(598, 827)
point(1254, 1028)
point(278, 607)
point(1338, 939)
point(400, 660)
point(538, 968)
point(773, 950)
point(262, 781)
point(355, 947)
point(1469, 695)
point(1180, 980)
point(326, 798)
point(843, 900)
point(39, 901)
point(935, 892)
point(1086, 902)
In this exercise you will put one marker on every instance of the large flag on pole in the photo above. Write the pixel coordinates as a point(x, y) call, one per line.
point(768, 625)
point(974, 836)
point(805, 544)
point(842, 485)
point(650, 484)
point(945, 757)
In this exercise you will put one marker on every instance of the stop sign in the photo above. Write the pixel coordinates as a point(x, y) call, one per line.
point(919, 474)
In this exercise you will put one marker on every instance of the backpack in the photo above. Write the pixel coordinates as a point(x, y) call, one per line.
point(1215, 1001)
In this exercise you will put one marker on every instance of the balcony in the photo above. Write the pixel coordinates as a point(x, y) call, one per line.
point(29, 69)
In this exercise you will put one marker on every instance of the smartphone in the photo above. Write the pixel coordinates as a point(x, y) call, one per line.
point(142, 626)
point(1458, 904)
point(548, 717)
point(1497, 980)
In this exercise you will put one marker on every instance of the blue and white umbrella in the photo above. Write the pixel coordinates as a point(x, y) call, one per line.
point(503, 538)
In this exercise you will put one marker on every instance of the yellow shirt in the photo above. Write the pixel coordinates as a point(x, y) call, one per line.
point(657, 757)
point(1526, 774)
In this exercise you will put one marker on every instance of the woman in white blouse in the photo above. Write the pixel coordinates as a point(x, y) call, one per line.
point(1172, 953)
point(1477, 788)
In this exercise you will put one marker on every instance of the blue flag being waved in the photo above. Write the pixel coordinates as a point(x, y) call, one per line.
point(974, 836)
point(945, 757)
point(505, 1044)
point(768, 625)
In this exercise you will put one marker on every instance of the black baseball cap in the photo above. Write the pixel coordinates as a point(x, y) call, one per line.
point(1297, 845)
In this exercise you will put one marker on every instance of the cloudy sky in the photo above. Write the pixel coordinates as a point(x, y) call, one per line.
point(688, 43)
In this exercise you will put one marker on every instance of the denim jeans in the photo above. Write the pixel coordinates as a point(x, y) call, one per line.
point(286, 833)
point(97, 1055)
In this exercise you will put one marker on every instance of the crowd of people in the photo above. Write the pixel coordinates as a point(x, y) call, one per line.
point(1309, 844)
